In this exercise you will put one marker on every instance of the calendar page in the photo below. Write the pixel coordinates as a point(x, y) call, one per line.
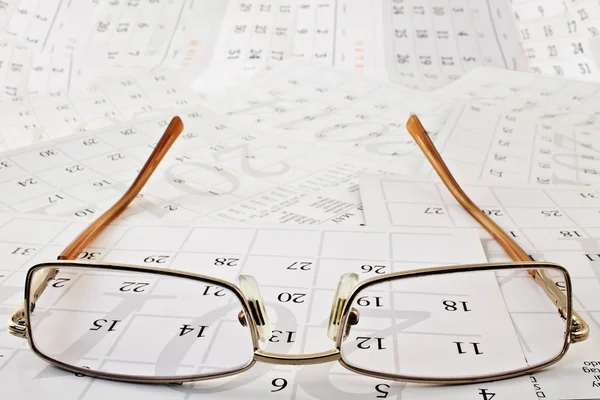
point(487, 144)
point(560, 38)
point(50, 29)
point(29, 119)
point(146, 35)
point(73, 44)
point(423, 45)
point(275, 99)
point(553, 100)
point(420, 44)
point(304, 96)
point(217, 169)
point(288, 151)
point(497, 140)
point(311, 261)
point(496, 146)
point(554, 223)
point(306, 101)
point(347, 109)
point(514, 127)
point(256, 34)
point(428, 44)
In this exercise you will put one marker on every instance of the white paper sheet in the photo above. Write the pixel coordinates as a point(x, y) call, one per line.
point(558, 37)
point(431, 43)
point(555, 223)
point(287, 147)
point(29, 119)
point(423, 45)
point(144, 35)
point(51, 29)
point(217, 169)
point(73, 44)
point(492, 146)
point(306, 101)
point(324, 250)
point(294, 158)
point(551, 99)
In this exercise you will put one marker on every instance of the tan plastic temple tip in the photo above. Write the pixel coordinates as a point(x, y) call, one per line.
point(93, 230)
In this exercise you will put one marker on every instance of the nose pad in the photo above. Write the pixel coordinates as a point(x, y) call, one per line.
point(250, 288)
point(353, 319)
point(344, 288)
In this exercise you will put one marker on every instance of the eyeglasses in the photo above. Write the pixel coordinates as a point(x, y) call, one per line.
point(484, 322)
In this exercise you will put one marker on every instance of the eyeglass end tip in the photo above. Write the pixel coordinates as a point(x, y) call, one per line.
point(414, 126)
point(176, 123)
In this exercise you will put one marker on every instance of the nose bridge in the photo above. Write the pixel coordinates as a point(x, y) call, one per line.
point(297, 359)
point(251, 291)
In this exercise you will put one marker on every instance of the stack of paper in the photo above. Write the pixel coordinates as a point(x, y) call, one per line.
point(295, 113)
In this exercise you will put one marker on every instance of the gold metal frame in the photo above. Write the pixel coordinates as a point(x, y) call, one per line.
point(577, 329)
point(331, 355)
point(69, 264)
point(534, 265)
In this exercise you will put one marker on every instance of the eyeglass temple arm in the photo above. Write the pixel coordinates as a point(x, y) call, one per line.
point(580, 329)
point(16, 323)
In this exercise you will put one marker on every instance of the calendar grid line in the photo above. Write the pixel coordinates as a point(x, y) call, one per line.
point(314, 286)
point(436, 49)
point(477, 41)
point(490, 144)
point(493, 25)
point(392, 306)
point(497, 204)
point(525, 231)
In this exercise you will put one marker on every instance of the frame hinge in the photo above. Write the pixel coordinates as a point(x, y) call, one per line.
point(579, 329)
point(17, 325)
